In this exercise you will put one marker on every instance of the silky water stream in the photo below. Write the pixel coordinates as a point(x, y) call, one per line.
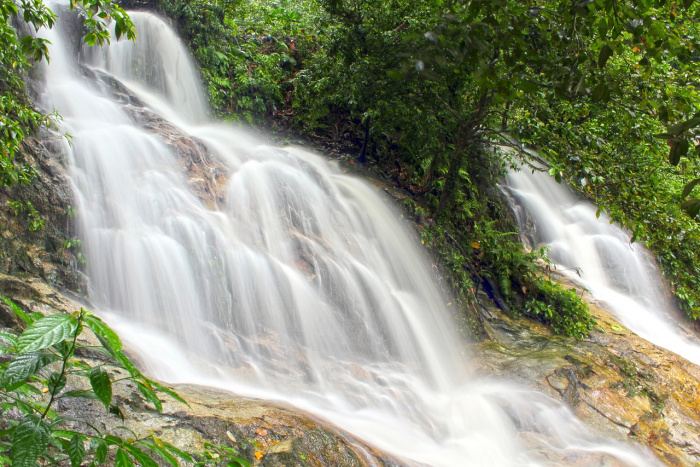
point(598, 254)
point(297, 284)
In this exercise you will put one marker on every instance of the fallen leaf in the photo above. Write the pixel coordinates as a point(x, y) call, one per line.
point(231, 437)
point(258, 455)
point(261, 432)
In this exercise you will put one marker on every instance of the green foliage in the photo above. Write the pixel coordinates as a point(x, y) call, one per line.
point(247, 51)
point(564, 311)
point(40, 367)
point(27, 209)
point(495, 261)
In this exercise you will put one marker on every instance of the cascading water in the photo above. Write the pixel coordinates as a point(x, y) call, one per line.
point(599, 255)
point(296, 283)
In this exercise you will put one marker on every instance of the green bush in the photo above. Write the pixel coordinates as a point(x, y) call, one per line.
point(41, 366)
point(564, 311)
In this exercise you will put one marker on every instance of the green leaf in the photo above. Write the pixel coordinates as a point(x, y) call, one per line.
point(23, 366)
point(141, 457)
point(161, 452)
point(394, 74)
point(674, 155)
point(100, 447)
point(181, 454)
point(527, 86)
point(664, 135)
point(46, 332)
point(76, 450)
point(605, 53)
point(56, 382)
point(115, 410)
point(169, 392)
point(29, 441)
point(102, 385)
point(150, 395)
point(122, 459)
point(79, 393)
point(692, 207)
point(8, 338)
point(600, 93)
point(237, 462)
point(689, 187)
point(18, 311)
point(103, 331)
point(692, 123)
point(125, 363)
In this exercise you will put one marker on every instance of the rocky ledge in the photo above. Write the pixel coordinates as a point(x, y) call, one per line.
point(620, 385)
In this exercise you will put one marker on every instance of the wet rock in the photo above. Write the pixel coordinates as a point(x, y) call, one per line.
point(35, 218)
point(619, 384)
point(204, 173)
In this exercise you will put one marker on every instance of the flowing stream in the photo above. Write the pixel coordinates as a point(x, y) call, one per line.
point(598, 254)
point(287, 281)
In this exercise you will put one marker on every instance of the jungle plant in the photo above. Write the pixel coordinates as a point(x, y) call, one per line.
point(51, 361)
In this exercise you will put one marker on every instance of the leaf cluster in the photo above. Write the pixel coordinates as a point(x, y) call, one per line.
point(41, 366)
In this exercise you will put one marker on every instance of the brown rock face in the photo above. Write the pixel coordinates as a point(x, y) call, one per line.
point(617, 383)
point(204, 173)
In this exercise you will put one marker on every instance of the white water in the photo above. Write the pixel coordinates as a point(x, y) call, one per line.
point(301, 286)
point(620, 274)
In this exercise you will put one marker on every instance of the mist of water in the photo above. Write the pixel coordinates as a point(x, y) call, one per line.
point(298, 283)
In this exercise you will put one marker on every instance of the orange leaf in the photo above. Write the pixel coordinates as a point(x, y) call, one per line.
point(261, 432)
point(258, 455)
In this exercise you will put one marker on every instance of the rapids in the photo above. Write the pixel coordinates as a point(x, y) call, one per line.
point(301, 285)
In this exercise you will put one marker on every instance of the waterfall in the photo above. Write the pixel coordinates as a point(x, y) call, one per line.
point(268, 272)
point(598, 254)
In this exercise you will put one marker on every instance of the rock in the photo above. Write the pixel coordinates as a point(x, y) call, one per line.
point(205, 174)
point(35, 218)
point(622, 386)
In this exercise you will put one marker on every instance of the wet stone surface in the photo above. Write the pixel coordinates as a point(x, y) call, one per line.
point(620, 385)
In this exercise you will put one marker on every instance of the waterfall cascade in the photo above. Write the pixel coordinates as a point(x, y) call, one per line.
point(599, 255)
point(295, 282)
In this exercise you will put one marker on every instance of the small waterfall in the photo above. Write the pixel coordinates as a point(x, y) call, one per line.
point(598, 254)
point(268, 272)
